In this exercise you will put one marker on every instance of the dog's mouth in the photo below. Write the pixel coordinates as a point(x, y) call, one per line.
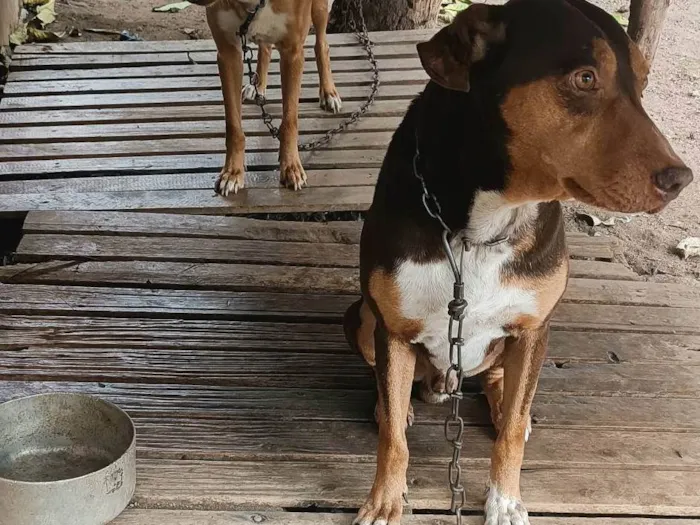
point(606, 200)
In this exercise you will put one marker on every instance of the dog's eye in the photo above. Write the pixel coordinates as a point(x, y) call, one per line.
point(585, 80)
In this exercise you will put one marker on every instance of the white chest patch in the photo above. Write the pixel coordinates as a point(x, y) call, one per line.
point(426, 289)
point(268, 27)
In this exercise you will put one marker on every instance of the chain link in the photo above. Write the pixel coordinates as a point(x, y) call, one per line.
point(356, 22)
point(454, 376)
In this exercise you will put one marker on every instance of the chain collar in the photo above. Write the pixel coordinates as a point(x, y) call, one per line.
point(356, 22)
point(454, 376)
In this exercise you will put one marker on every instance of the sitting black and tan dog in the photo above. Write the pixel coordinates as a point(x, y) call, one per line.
point(530, 103)
point(284, 24)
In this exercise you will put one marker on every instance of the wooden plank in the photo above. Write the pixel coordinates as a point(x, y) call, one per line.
point(285, 405)
point(384, 64)
point(645, 24)
point(198, 275)
point(253, 200)
point(281, 368)
point(216, 485)
point(42, 247)
point(185, 303)
point(180, 181)
point(45, 60)
point(314, 440)
point(167, 225)
point(191, 114)
point(319, 159)
point(53, 151)
point(21, 331)
point(70, 300)
point(199, 517)
point(41, 103)
point(161, 46)
point(191, 83)
point(13, 137)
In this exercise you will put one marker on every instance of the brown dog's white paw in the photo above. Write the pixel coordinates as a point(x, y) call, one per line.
point(381, 508)
point(248, 93)
point(504, 510)
point(230, 181)
point(330, 101)
point(292, 175)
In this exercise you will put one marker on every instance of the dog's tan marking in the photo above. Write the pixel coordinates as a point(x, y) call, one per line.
point(385, 293)
point(556, 154)
point(365, 334)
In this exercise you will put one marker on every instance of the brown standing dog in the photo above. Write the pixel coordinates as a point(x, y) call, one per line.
point(284, 24)
point(530, 103)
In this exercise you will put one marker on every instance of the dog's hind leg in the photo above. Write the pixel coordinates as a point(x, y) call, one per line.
point(264, 56)
point(328, 95)
point(359, 324)
point(492, 383)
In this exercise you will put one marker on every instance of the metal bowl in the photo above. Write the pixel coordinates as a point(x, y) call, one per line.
point(65, 459)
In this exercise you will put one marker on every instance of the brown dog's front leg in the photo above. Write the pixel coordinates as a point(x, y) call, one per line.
point(396, 363)
point(230, 61)
point(292, 173)
point(522, 361)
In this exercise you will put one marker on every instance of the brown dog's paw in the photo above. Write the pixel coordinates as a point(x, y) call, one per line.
point(501, 509)
point(330, 100)
point(383, 507)
point(409, 418)
point(292, 175)
point(230, 180)
point(249, 91)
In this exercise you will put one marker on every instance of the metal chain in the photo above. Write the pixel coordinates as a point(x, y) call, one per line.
point(359, 27)
point(454, 376)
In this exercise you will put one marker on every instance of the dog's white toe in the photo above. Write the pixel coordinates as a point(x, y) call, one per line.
point(248, 92)
point(528, 430)
point(331, 102)
point(503, 510)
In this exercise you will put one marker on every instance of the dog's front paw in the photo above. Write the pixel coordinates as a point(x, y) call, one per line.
point(330, 100)
point(248, 93)
point(504, 510)
point(230, 180)
point(292, 174)
point(381, 508)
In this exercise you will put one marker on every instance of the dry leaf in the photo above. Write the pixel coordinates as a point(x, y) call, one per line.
point(689, 247)
point(172, 8)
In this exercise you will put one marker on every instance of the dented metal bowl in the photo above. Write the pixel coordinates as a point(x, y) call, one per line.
point(65, 459)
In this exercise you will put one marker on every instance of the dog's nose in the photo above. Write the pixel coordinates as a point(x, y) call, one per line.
point(671, 181)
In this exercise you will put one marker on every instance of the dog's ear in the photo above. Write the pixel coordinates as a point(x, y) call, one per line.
point(448, 56)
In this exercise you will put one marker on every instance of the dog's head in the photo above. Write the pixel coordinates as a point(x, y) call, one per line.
point(568, 82)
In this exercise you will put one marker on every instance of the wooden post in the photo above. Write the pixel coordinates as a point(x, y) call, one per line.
point(9, 14)
point(646, 21)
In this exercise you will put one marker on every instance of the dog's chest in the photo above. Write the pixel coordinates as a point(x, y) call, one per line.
point(426, 289)
point(268, 26)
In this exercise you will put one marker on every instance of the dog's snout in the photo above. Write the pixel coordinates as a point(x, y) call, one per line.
point(671, 181)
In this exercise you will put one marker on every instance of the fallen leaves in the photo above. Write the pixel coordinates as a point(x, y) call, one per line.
point(172, 8)
point(689, 247)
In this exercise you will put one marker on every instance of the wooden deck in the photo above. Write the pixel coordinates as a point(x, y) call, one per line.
point(139, 126)
point(221, 336)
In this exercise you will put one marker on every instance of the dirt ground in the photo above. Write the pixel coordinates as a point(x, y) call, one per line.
point(647, 243)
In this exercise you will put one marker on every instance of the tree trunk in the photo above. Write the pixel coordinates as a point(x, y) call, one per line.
point(9, 15)
point(387, 15)
point(646, 21)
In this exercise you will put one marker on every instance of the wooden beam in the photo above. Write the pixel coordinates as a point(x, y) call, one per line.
point(646, 21)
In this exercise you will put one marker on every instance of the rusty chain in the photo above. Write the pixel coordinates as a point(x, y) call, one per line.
point(357, 24)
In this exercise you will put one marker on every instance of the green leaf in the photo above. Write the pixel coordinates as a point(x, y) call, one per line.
point(172, 8)
point(46, 13)
point(621, 19)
